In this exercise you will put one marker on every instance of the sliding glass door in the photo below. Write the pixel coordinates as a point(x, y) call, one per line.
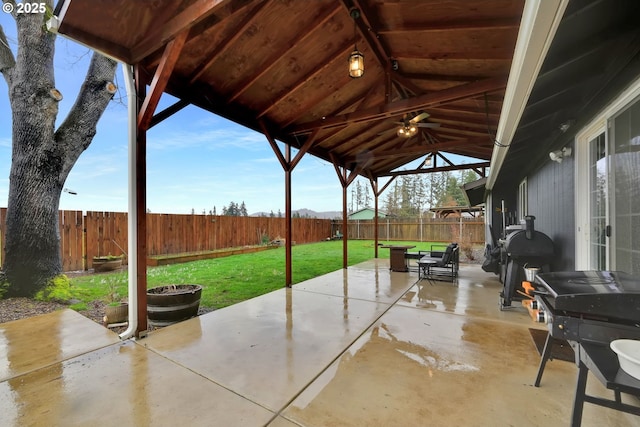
point(625, 190)
point(608, 192)
point(598, 201)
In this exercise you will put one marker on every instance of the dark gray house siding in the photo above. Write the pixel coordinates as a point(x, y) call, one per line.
point(593, 58)
point(551, 200)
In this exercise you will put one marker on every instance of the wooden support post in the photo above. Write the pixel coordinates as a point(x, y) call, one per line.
point(141, 209)
point(374, 184)
point(288, 165)
point(287, 215)
point(345, 228)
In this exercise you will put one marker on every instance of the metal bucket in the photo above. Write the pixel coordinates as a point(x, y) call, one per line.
point(530, 273)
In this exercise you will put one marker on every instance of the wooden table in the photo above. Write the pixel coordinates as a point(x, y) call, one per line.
point(397, 261)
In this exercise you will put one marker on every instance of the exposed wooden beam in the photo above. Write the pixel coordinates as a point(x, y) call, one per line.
point(274, 145)
point(480, 24)
point(367, 30)
point(168, 112)
point(475, 110)
point(498, 54)
point(228, 41)
point(165, 31)
point(431, 77)
point(340, 171)
point(161, 77)
point(273, 59)
point(324, 64)
point(480, 120)
point(407, 105)
point(305, 147)
point(439, 169)
point(424, 149)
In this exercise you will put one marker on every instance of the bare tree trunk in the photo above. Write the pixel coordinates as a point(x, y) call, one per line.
point(41, 156)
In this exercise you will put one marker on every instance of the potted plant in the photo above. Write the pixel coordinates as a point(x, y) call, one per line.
point(172, 303)
point(116, 311)
point(107, 262)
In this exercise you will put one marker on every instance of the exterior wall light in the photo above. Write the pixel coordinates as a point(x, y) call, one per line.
point(558, 155)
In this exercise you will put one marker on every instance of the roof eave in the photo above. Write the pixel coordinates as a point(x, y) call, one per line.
point(540, 21)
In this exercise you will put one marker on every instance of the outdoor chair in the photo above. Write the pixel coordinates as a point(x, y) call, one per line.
point(440, 265)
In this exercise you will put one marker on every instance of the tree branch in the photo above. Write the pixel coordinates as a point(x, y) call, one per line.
point(7, 61)
point(79, 127)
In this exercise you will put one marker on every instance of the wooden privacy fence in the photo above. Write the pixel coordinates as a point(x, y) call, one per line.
point(102, 233)
point(467, 230)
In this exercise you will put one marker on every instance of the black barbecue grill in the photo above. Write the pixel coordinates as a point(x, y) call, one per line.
point(526, 247)
point(596, 306)
point(590, 309)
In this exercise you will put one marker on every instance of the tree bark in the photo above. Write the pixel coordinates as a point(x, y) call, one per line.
point(41, 156)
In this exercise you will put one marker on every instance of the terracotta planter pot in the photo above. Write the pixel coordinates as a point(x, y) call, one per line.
point(172, 304)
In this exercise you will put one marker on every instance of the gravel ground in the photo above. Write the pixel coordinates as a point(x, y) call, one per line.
point(20, 308)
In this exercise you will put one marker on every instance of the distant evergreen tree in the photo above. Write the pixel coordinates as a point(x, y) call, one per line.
point(235, 209)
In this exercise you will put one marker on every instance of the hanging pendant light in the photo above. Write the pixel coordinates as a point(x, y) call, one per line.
point(356, 59)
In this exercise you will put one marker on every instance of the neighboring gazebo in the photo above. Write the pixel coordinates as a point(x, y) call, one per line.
point(458, 211)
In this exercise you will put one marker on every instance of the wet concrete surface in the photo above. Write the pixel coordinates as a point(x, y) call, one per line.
point(356, 347)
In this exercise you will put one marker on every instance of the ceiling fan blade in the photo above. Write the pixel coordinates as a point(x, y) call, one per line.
point(419, 117)
point(428, 125)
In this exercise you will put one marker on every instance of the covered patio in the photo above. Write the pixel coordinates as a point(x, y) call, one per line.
point(359, 346)
point(429, 98)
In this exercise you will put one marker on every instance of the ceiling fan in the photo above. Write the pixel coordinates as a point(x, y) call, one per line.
point(409, 126)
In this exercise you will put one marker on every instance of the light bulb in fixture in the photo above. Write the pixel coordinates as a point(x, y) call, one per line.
point(356, 64)
point(356, 59)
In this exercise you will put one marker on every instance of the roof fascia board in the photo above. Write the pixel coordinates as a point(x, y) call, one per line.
point(540, 21)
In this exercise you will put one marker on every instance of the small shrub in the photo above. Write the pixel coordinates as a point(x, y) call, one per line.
point(113, 297)
point(467, 249)
point(58, 289)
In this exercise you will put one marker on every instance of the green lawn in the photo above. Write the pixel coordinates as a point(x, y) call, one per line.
point(236, 278)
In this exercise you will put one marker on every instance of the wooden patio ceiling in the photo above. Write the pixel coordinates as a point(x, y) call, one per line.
point(280, 67)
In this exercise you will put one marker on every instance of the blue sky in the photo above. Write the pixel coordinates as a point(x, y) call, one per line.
point(195, 160)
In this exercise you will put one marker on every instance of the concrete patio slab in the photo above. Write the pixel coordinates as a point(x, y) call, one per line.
point(294, 333)
point(364, 346)
point(30, 344)
point(122, 385)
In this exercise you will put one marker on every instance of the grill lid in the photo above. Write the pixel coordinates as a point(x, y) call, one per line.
point(607, 294)
point(563, 283)
point(539, 245)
